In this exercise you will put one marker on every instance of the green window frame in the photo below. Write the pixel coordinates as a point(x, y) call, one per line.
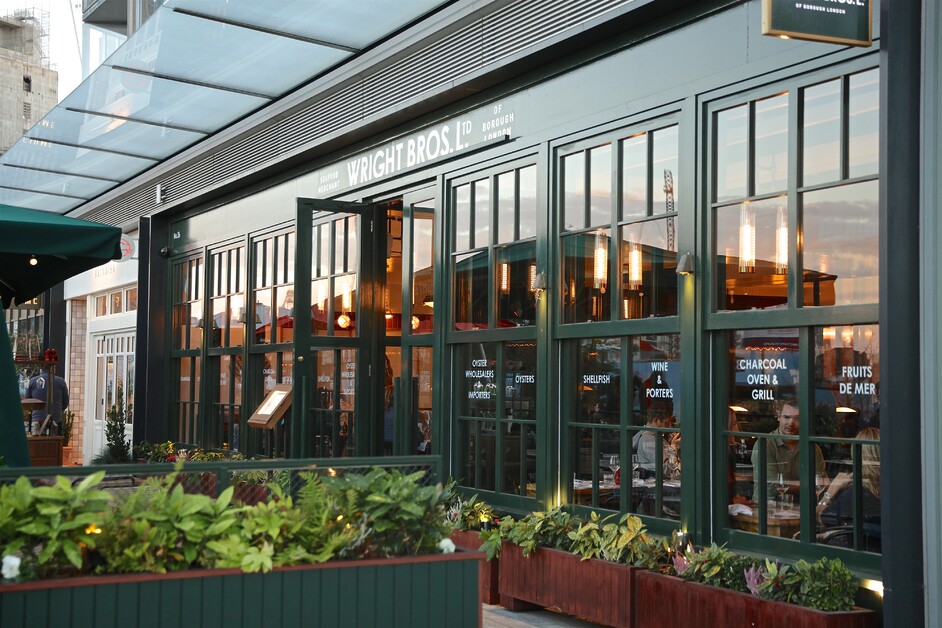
point(829, 145)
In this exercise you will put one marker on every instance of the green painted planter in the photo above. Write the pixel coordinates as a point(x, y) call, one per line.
point(408, 592)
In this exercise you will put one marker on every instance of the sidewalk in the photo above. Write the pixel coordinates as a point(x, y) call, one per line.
point(497, 617)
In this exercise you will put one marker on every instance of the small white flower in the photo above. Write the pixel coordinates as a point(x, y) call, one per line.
point(11, 566)
point(447, 546)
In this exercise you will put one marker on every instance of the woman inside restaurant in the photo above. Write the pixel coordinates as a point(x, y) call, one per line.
point(836, 506)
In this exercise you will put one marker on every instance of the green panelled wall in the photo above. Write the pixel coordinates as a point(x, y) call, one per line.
point(411, 593)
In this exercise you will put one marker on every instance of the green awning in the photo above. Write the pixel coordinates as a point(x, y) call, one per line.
point(40, 249)
point(58, 248)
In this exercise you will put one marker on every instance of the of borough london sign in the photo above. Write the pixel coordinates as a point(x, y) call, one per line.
point(831, 21)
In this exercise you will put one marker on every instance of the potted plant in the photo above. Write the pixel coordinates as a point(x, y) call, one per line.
point(117, 448)
point(68, 418)
point(555, 560)
point(728, 589)
point(352, 549)
point(468, 517)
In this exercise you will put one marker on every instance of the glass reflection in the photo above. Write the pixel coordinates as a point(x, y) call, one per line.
point(863, 123)
point(481, 235)
point(423, 266)
point(586, 294)
point(574, 191)
point(634, 176)
point(527, 204)
point(841, 245)
point(752, 242)
point(471, 290)
point(516, 275)
point(732, 153)
point(664, 169)
point(821, 137)
point(648, 265)
point(771, 144)
point(600, 185)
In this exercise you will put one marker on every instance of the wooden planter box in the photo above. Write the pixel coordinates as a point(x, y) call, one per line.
point(468, 540)
point(415, 591)
point(668, 601)
point(596, 590)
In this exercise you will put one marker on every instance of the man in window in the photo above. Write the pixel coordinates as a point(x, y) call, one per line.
point(781, 455)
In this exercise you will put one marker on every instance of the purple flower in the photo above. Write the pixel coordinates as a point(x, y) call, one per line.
point(755, 576)
point(680, 563)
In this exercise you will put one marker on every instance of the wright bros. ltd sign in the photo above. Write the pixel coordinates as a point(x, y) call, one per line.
point(455, 136)
point(831, 21)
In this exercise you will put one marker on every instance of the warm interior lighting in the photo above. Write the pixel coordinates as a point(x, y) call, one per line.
point(873, 585)
point(388, 314)
point(343, 321)
point(505, 278)
point(739, 409)
point(415, 322)
point(347, 300)
point(847, 336)
point(634, 265)
point(781, 242)
point(428, 301)
point(601, 262)
point(784, 37)
point(532, 277)
point(845, 410)
point(32, 260)
point(828, 334)
point(747, 239)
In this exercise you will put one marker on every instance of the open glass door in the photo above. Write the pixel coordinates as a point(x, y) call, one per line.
point(407, 306)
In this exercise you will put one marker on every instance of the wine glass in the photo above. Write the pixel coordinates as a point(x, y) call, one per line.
point(635, 467)
point(818, 484)
point(781, 487)
point(615, 463)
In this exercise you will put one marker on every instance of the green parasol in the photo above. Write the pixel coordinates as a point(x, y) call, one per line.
point(37, 251)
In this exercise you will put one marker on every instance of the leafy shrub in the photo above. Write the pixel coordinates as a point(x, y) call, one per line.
point(47, 526)
point(160, 528)
point(470, 513)
point(826, 584)
point(718, 567)
point(403, 517)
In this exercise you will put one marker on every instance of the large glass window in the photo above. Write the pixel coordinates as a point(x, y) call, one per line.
point(830, 221)
point(496, 408)
point(335, 276)
point(227, 297)
point(274, 289)
point(767, 451)
point(188, 304)
point(798, 409)
point(505, 297)
point(625, 456)
point(334, 407)
point(634, 271)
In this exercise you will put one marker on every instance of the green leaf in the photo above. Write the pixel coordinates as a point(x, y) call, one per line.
point(72, 553)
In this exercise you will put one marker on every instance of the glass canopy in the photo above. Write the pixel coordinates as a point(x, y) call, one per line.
point(194, 68)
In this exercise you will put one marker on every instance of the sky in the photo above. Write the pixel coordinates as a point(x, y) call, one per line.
point(65, 33)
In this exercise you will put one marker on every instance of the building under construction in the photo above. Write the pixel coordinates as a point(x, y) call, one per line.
point(28, 87)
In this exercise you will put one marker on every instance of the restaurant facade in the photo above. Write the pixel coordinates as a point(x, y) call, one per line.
point(547, 243)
